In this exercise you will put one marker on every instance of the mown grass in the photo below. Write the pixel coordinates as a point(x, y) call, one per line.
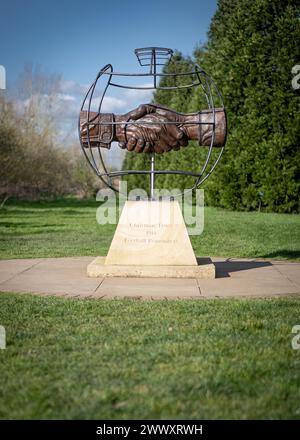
point(69, 228)
point(71, 358)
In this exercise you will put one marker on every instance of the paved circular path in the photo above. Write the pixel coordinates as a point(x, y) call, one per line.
point(67, 277)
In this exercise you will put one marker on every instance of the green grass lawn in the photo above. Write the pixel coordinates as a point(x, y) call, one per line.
point(71, 358)
point(69, 228)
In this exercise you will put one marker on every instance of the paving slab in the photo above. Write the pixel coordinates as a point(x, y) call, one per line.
point(55, 276)
point(290, 271)
point(149, 288)
point(10, 268)
point(68, 277)
point(243, 277)
point(232, 287)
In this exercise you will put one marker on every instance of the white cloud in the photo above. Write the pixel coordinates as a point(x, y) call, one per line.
point(140, 95)
point(65, 97)
point(73, 88)
point(110, 104)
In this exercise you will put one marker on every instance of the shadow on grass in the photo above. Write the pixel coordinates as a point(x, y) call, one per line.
point(48, 204)
point(283, 253)
point(30, 225)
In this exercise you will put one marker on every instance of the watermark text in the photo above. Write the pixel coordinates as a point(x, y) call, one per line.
point(2, 78)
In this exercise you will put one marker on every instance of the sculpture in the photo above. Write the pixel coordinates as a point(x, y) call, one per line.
point(151, 237)
point(153, 128)
point(158, 129)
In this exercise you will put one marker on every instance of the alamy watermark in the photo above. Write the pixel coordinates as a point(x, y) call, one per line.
point(2, 78)
point(296, 339)
point(2, 338)
point(192, 207)
point(296, 77)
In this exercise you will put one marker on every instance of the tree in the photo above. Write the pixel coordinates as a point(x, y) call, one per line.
point(38, 100)
point(31, 166)
point(251, 49)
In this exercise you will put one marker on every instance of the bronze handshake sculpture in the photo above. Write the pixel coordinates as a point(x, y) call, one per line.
point(152, 128)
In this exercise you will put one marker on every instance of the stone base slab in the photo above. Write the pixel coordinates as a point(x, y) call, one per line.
point(204, 270)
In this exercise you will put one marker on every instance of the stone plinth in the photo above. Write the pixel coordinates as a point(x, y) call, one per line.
point(151, 241)
point(151, 233)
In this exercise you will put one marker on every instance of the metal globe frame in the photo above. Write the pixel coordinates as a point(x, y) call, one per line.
point(151, 57)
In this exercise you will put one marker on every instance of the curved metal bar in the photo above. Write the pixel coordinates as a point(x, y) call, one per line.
point(186, 86)
point(92, 162)
point(213, 167)
point(200, 181)
point(153, 74)
point(156, 123)
point(99, 111)
point(79, 133)
point(207, 87)
point(128, 172)
point(202, 86)
point(108, 66)
point(212, 137)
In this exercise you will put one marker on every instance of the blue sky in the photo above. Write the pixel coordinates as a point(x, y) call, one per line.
point(76, 38)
